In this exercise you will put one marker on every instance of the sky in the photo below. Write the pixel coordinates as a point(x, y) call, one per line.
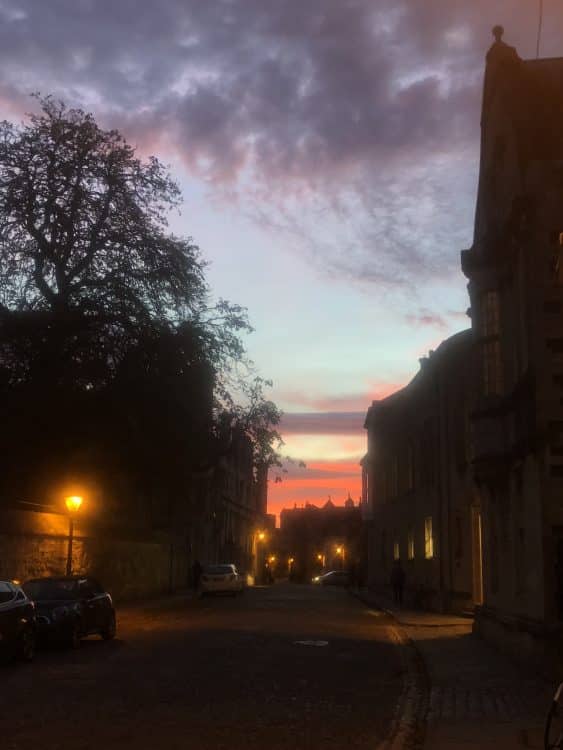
point(327, 152)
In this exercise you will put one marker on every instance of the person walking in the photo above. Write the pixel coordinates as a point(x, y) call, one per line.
point(398, 582)
point(196, 574)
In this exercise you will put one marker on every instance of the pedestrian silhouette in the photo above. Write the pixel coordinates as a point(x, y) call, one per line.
point(196, 574)
point(398, 582)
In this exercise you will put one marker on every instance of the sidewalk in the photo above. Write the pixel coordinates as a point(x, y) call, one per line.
point(477, 697)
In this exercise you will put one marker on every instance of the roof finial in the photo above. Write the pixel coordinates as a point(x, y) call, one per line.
point(498, 31)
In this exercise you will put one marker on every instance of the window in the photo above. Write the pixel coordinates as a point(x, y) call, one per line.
point(410, 544)
point(394, 477)
point(396, 550)
point(427, 453)
point(428, 539)
point(492, 369)
point(520, 559)
point(491, 351)
point(490, 311)
point(493, 555)
point(410, 466)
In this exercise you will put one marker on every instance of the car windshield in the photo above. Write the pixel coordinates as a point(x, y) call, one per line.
point(6, 593)
point(219, 569)
point(51, 589)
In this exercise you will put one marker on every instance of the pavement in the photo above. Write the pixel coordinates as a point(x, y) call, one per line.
point(475, 696)
point(287, 667)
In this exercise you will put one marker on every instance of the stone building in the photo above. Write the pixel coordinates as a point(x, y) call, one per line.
point(515, 274)
point(463, 478)
point(321, 539)
point(417, 490)
point(215, 519)
point(232, 507)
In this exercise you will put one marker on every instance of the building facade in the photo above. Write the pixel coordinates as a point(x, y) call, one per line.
point(321, 539)
point(515, 273)
point(418, 496)
point(463, 479)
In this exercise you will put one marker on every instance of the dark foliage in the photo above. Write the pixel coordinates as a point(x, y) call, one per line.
point(112, 362)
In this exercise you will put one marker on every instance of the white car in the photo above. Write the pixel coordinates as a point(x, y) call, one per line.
point(221, 579)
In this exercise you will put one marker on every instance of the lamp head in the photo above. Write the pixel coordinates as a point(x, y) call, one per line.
point(73, 503)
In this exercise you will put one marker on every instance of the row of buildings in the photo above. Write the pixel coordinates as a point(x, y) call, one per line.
point(463, 477)
point(149, 550)
point(318, 539)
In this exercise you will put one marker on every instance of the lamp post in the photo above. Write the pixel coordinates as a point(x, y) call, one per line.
point(290, 562)
point(260, 539)
point(73, 503)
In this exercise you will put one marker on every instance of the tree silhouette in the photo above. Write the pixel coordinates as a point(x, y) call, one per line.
point(111, 355)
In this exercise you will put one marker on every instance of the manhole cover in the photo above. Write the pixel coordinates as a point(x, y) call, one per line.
point(311, 643)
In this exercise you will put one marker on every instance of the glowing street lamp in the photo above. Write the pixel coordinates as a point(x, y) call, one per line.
point(261, 536)
point(73, 503)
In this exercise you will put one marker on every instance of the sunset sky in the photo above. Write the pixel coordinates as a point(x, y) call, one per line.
point(327, 152)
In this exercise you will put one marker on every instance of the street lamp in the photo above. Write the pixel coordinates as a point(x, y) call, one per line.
point(73, 503)
point(260, 552)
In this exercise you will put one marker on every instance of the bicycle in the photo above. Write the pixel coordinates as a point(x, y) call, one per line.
point(553, 732)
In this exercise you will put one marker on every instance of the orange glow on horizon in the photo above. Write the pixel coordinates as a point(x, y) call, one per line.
point(337, 480)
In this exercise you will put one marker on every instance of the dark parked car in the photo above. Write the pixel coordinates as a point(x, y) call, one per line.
point(70, 608)
point(17, 622)
point(334, 578)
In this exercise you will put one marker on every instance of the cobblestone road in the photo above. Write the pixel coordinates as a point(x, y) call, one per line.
point(213, 674)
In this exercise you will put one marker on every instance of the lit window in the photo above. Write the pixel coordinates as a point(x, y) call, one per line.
point(396, 550)
point(410, 544)
point(428, 539)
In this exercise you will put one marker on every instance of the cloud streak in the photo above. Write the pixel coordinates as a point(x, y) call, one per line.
point(322, 423)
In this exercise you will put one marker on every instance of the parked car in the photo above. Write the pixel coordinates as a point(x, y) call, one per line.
point(17, 622)
point(333, 578)
point(221, 579)
point(70, 608)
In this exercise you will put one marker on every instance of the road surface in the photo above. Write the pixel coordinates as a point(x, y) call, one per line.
point(287, 666)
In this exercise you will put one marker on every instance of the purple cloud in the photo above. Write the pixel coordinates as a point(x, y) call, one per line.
point(322, 423)
point(351, 126)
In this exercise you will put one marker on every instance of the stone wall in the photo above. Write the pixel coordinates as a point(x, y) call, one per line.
point(36, 544)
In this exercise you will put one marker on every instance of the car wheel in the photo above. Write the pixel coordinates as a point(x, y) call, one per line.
point(26, 645)
point(108, 633)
